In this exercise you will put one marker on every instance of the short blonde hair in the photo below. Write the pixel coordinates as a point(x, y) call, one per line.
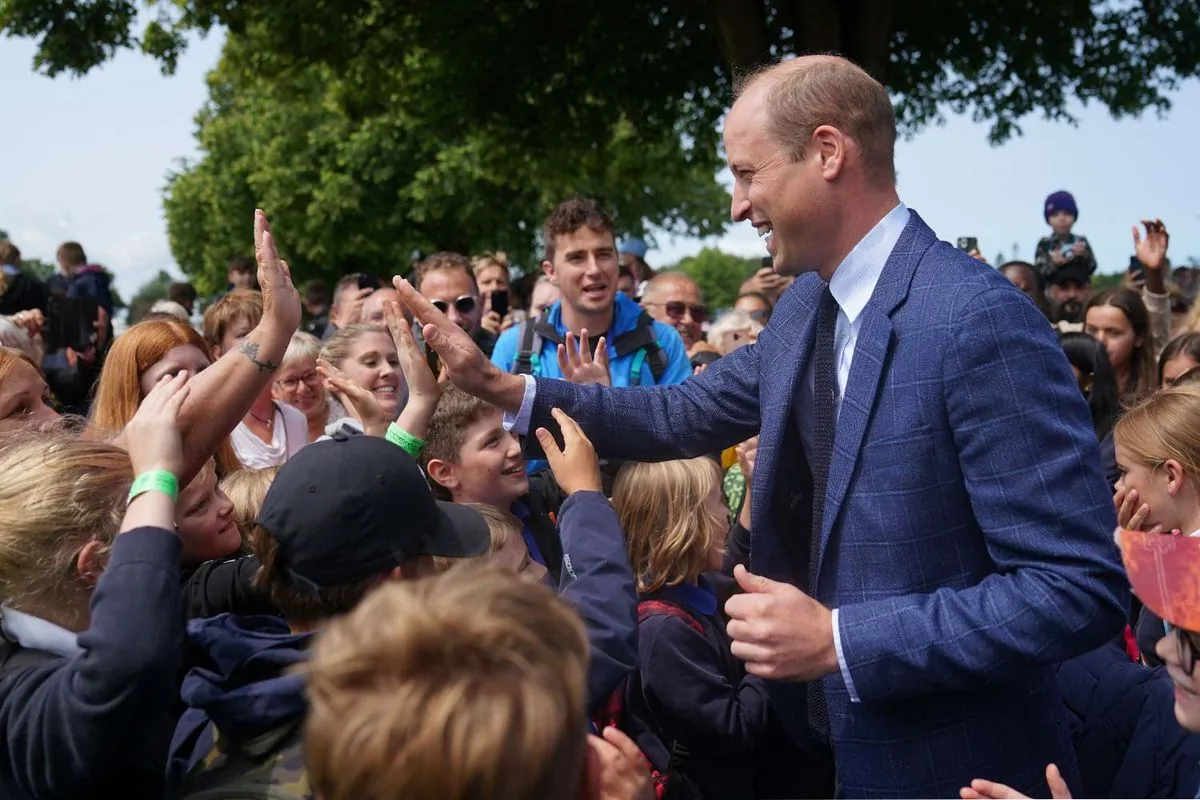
point(59, 492)
point(731, 322)
point(1163, 427)
point(489, 260)
point(221, 315)
point(170, 308)
point(302, 346)
point(663, 511)
point(470, 684)
point(246, 489)
point(502, 526)
point(805, 93)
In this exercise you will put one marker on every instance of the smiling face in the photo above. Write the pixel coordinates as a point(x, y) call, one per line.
point(490, 468)
point(204, 519)
point(174, 361)
point(453, 291)
point(372, 363)
point(585, 270)
point(786, 201)
point(299, 385)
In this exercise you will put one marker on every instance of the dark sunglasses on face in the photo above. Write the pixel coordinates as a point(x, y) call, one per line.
point(463, 305)
point(677, 308)
point(1188, 644)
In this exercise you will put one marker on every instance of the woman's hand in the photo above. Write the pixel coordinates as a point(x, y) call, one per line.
point(1131, 512)
point(363, 404)
point(31, 320)
point(424, 389)
point(578, 365)
point(575, 466)
point(281, 301)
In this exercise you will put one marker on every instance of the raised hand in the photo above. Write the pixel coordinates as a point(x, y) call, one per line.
point(281, 301)
point(363, 402)
point(1151, 251)
point(424, 389)
point(575, 466)
point(153, 437)
point(747, 453)
point(465, 364)
point(577, 364)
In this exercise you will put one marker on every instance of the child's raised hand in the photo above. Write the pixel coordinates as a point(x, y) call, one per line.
point(575, 466)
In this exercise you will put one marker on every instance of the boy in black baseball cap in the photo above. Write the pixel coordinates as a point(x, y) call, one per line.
point(341, 517)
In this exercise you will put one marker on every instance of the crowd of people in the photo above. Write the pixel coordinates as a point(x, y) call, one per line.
point(458, 534)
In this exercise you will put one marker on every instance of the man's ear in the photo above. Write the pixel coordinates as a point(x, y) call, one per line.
point(443, 473)
point(548, 271)
point(90, 564)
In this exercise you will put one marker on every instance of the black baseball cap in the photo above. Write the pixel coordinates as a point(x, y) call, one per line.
point(1071, 272)
point(354, 507)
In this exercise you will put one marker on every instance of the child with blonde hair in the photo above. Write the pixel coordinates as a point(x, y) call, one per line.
point(690, 706)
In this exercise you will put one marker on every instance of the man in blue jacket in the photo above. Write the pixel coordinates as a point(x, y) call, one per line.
point(581, 260)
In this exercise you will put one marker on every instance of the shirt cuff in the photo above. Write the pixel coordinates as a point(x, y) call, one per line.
point(519, 422)
point(837, 646)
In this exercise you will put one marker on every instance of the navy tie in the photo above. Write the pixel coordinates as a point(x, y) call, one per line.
point(824, 424)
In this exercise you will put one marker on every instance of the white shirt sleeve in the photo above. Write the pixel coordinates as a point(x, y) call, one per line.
point(519, 422)
point(837, 646)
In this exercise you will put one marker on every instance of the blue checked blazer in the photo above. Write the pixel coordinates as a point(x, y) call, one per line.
point(967, 532)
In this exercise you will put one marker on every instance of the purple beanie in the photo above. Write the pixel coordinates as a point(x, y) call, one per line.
point(1061, 201)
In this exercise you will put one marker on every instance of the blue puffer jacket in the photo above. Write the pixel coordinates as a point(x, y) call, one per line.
point(1127, 741)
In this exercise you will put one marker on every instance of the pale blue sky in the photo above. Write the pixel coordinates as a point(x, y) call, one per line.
point(85, 159)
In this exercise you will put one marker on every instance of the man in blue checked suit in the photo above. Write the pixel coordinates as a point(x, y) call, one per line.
point(931, 531)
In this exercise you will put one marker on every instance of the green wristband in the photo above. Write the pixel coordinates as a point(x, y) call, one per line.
point(405, 440)
point(156, 480)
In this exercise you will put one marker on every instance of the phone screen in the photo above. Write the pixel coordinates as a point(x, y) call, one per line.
point(500, 301)
point(968, 243)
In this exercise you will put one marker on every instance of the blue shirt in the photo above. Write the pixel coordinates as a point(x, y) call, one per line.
point(625, 317)
point(696, 598)
point(522, 513)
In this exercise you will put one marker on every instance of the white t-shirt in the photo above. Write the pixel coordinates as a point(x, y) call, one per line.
point(288, 435)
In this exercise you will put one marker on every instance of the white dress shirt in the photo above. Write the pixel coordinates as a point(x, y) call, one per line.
point(852, 285)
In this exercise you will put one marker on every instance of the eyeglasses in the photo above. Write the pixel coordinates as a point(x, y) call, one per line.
point(677, 308)
point(1188, 644)
point(760, 315)
point(310, 379)
point(463, 305)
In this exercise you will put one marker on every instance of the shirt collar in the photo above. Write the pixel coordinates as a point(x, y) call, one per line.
point(34, 633)
point(854, 280)
point(696, 598)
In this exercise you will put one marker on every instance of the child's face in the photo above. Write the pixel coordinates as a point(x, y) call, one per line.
point(714, 505)
point(514, 557)
point(490, 468)
point(1061, 222)
point(1187, 687)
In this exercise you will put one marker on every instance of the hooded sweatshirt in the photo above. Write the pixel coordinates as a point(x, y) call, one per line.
point(245, 698)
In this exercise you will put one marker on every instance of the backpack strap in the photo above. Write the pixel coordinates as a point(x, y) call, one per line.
point(642, 339)
point(654, 608)
point(533, 334)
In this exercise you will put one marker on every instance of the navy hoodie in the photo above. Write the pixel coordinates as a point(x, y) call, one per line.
point(690, 690)
point(98, 724)
point(244, 685)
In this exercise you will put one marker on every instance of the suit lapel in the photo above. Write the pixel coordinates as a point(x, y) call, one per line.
point(866, 371)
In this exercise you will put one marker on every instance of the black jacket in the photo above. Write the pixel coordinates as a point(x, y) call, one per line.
point(225, 586)
point(24, 293)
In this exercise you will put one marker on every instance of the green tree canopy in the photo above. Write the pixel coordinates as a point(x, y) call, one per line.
point(718, 274)
point(150, 293)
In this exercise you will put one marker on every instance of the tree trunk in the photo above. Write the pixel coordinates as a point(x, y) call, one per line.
point(860, 30)
point(741, 29)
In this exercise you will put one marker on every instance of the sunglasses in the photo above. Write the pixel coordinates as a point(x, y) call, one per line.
point(760, 315)
point(677, 308)
point(463, 305)
point(1188, 644)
